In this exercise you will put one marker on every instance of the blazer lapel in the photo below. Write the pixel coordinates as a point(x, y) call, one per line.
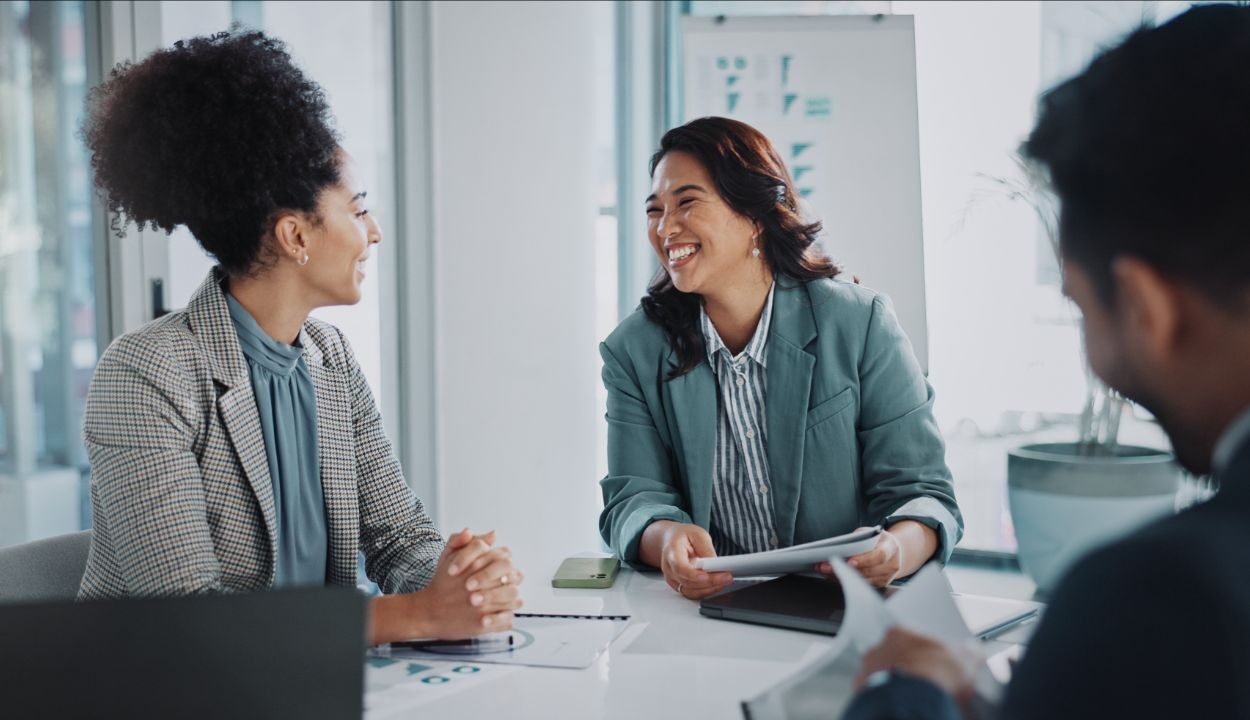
point(210, 320)
point(336, 456)
point(242, 421)
point(694, 409)
point(789, 387)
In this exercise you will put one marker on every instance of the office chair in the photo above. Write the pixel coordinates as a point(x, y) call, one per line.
point(49, 569)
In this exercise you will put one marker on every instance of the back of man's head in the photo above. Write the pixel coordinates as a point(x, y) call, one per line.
point(1149, 153)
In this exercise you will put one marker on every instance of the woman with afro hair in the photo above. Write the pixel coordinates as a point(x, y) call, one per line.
point(235, 445)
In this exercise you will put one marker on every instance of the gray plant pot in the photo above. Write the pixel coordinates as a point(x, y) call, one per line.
point(1064, 503)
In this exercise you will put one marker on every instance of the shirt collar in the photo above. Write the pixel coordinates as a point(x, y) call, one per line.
point(277, 357)
point(1235, 435)
point(754, 349)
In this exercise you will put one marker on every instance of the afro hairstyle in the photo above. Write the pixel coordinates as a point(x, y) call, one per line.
point(218, 133)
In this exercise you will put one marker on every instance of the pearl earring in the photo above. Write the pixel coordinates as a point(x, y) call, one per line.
point(304, 260)
point(755, 251)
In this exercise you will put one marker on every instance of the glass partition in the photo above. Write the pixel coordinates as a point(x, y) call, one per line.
point(48, 314)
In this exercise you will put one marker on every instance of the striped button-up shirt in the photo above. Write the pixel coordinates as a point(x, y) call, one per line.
point(742, 507)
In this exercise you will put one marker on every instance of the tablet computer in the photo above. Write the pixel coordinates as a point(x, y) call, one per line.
point(796, 602)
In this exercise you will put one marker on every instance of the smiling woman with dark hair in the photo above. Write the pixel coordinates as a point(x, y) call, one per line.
point(755, 401)
point(235, 445)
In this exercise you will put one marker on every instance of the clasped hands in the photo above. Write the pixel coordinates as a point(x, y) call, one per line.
point(474, 591)
point(475, 588)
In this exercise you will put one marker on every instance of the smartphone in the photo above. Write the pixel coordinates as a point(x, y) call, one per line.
point(586, 572)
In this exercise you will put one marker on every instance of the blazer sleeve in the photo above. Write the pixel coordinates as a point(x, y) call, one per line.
point(148, 492)
point(904, 466)
point(638, 489)
point(397, 536)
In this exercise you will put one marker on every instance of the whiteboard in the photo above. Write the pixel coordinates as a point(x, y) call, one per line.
point(837, 97)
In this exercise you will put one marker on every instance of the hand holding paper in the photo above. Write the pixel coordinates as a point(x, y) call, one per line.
point(918, 630)
point(921, 656)
point(683, 549)
point(795, 559)
point(880, 565)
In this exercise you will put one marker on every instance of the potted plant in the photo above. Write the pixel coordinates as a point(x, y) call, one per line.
point(1065, 498)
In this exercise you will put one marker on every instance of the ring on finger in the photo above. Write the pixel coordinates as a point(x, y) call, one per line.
point(504, 579)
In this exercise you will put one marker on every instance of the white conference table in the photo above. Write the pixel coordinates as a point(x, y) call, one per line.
point(670, 662)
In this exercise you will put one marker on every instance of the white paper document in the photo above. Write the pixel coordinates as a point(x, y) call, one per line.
point(924, 606)
point(537, 641)
point(795, 559)
point(823, 689)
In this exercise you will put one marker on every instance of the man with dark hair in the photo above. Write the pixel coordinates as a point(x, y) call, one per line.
point(1149, 153)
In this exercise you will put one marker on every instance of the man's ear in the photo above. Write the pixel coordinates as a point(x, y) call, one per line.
point(290, 238)
point(1149, 307)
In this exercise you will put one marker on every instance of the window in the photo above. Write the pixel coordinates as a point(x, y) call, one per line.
point(52, 247)
point(49, 326)
point(1010, 371)
point(606, 187)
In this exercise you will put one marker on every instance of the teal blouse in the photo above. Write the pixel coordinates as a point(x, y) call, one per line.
point(288, 420)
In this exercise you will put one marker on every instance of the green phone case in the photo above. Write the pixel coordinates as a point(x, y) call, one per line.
point(586, 573)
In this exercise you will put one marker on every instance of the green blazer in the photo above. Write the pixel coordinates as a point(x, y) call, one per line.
point(851, 435)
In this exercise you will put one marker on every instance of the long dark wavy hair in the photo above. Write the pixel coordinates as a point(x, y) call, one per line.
point(751, 178)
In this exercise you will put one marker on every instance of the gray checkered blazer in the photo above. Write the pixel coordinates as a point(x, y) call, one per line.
point(181, 497)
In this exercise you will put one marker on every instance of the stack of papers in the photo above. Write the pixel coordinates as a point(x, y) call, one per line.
point(925, 605)
point(795, 559)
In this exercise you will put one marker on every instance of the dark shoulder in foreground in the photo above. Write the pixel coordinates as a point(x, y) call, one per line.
point(1154, 625)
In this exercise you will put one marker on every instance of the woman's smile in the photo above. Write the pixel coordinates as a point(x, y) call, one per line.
point(681, 254)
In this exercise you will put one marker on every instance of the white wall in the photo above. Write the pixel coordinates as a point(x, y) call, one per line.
point(973, 114)
point(513, 87)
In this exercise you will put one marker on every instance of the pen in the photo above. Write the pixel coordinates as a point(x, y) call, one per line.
point(467, 643)
point(1003, 627)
